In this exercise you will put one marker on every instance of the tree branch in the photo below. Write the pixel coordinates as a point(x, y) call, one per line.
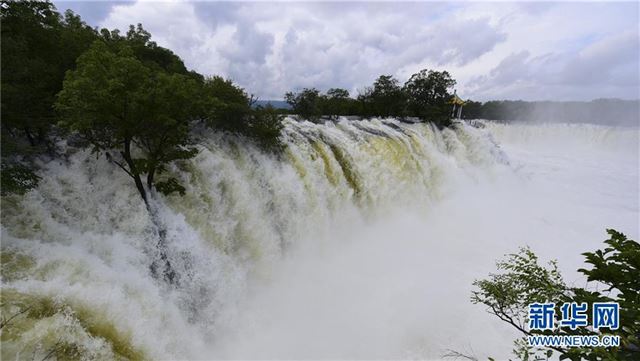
point(6, 322)
point(110, 158)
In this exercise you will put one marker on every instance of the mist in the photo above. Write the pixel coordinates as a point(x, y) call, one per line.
point(611, 112)
point(344, 249)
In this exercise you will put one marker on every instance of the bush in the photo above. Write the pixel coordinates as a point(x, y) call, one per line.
point(523, 281)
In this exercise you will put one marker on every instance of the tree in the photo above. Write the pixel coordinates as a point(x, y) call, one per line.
point(38, 47)
point(387, 98)
point(305, 103)
point(226, 106)
point(147, 51)
point(30, 33)
point(472, 110)
point(265, 126)
point(337, 102)
point(617, 267)
point(115, 102)
point(428, 95)
point(365, 102)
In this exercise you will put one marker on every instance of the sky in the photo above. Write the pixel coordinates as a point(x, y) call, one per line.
point(504, 50)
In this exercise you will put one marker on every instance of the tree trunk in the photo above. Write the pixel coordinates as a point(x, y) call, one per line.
point(150, 175)
point(126, 154)
point(27, 132)
point(161, 267)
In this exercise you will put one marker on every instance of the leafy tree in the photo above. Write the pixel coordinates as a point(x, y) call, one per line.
point(387, 97)
point(305, 103)
point(116, 102)
point(472, 110)
point(30, 31)
point(428, 95)
point(337, 102)
point(265, 126)
point(17, 178)
point(365, 103)
point(227, 106)
point(75, 38)
point(147, 51)
point(617, 267)
point(38, 47)
point(523, 281)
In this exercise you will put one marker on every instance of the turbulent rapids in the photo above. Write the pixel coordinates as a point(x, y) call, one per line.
point(354, 243)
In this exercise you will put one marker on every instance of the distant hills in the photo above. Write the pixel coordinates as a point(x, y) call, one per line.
point(278, 104)
point(598, 111)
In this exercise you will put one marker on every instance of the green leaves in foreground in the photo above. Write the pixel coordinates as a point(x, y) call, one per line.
point(509, 293)
point(17, 178)
point(523, 280)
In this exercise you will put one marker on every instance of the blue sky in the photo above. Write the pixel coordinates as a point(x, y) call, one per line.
point(506, 50)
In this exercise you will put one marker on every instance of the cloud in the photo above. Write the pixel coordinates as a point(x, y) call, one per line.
point(92, 12)
point(609, 65)
point(529, 51)
point(614, 60)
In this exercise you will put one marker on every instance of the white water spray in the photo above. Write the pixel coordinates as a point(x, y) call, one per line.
point(361, 242)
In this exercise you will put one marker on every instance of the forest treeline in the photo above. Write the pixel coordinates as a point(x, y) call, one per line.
point(136, 103)
point(425, 95)
point(599, 111)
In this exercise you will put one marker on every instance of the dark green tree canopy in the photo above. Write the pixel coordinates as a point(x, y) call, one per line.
point(305, 103)
point(428, 95)
point(337, 93)
point(38, 47)
point(337, 102)
point(226, 105)
point(114, 101)
point(148, 52)
point(387, 97)
point(425, 95)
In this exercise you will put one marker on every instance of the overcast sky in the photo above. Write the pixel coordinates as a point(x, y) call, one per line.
point(530, 51)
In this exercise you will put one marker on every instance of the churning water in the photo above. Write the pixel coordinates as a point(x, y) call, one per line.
point(362, 241)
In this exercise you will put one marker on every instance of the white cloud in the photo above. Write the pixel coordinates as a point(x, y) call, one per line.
point(505, 50)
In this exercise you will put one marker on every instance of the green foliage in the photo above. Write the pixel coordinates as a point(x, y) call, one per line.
point(113, 100)
point(472, 110)
point(428, 95)
point(265, 127)
point(384, 99)
point(337, 102)
point(305, 103)
point(387, 97)
point(148, 52)
point(38, 47)
point(17, 178)
point(425, 95)
point(127, 94)
point(311, 105)
point(611, 111)
point(618, 268)
point(226, 106)
point(524, 281)
point(169, 186)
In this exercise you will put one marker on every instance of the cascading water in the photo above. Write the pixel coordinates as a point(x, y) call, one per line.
point(360, 241)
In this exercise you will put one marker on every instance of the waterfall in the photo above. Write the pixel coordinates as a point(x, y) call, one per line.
point(255, 230)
